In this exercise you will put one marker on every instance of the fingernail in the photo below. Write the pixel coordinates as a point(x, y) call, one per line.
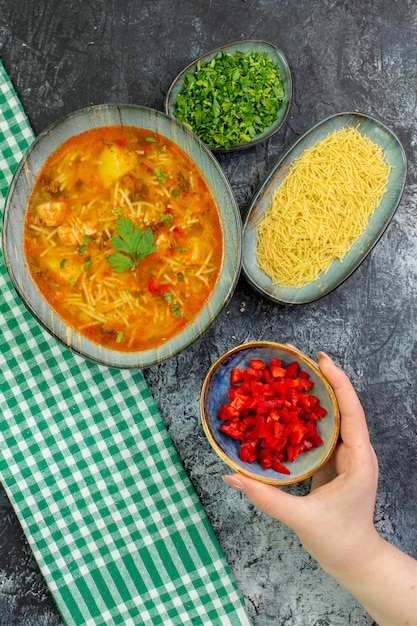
point(234, 483)
point(291, 345)
point(323, 355)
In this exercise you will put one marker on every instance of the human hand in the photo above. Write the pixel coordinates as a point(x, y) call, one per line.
point(335, 520)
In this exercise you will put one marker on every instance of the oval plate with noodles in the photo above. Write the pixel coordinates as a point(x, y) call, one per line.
point(339, 270)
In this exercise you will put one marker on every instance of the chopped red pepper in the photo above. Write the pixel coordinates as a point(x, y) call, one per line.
point(155, 287)
point(248, 450)
point(271, 413)
point(236, 376)
point(257, 364)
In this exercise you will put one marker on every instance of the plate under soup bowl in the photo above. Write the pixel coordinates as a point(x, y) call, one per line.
point(129, 255)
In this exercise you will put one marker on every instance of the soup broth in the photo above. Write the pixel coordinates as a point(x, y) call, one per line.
point(123, 237)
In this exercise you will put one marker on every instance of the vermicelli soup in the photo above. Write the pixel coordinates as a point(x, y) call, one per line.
point(123, 237)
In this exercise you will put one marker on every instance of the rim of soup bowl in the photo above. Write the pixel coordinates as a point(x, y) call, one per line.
point(18, 196)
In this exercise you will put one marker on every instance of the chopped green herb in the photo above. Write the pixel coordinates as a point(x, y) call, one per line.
point(87, 262)
point(180, 277)
point(230, 99)
point(119, 337)
point(175, 192)
point(62, 263)
point(84, 245)
point(160, 175)
point(176, 311)
point(151, 139)
point(133, 243)
point(167, 219)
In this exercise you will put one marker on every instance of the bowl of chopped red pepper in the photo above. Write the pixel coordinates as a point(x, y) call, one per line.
point(269, 413)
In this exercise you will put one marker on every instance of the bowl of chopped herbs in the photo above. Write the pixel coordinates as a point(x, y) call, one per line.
point(234, 96)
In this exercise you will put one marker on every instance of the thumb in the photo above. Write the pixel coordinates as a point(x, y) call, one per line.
point(269, 499)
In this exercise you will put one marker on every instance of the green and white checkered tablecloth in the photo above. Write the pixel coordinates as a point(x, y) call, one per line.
point(110, 514)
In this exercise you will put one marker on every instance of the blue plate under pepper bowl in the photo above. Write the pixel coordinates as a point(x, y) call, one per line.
point(214, 393)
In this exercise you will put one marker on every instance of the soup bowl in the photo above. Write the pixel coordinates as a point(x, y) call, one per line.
point(308, 455)
point(14, 228)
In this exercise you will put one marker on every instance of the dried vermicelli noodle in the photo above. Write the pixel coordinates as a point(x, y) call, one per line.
point(322, 206)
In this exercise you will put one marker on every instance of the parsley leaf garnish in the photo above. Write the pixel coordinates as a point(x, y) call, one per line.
point(133, 243)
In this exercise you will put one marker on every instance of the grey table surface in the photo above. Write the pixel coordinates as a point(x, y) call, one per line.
point(344, 56)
